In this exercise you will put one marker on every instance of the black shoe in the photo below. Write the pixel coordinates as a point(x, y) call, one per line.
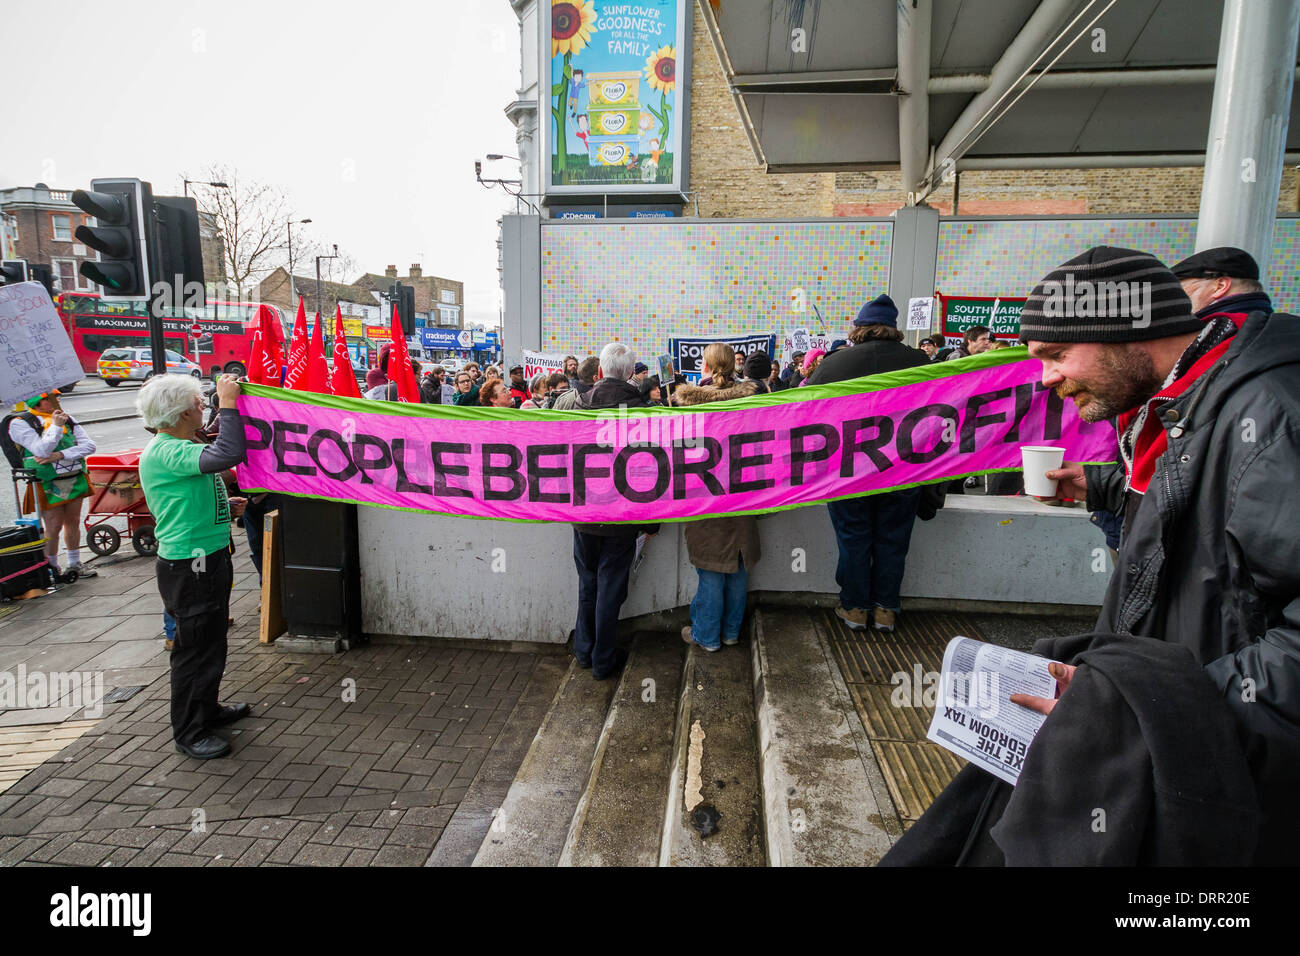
point(620, 658)
point(584, 664)
point(62, 577)
point(205, 748)
point(229, 713)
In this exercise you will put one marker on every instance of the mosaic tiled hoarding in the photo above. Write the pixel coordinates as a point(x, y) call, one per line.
point(1009, 256)
point(646, 282)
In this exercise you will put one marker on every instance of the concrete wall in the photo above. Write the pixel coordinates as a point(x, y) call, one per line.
point(430, 575)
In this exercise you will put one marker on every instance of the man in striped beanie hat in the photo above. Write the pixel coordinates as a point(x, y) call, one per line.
point(1207, 412)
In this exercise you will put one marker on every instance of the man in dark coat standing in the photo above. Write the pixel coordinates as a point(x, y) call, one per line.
point(603, 553)
point(873, 531)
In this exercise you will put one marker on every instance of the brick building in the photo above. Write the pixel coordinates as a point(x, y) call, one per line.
point(439, 302)
point(727, 181)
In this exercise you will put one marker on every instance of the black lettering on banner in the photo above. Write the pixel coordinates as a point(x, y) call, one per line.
point(510, 471)
point(263, 429)
point(799, 456)
point(1024, 398)
point(884, 426)
point(702, 469)
point(442, 469)
point(581, 472)
point(1055, 409)
point(738, 461)
point(536, 472)
point(282, 444)
point(661, 476)
point(399, 460)
point(381, 463)
point(319, 438)
point(974, 420)
point(906, 449)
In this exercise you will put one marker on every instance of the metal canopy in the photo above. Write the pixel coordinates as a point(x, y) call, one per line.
point(881, 84)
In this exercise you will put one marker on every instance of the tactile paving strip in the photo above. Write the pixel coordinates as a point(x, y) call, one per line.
point(886, 675)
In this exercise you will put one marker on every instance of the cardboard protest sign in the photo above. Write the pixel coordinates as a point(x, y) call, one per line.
point(36, 354)
point(783, 450)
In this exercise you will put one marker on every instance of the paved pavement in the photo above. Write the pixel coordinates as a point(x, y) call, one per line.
point(352, 759)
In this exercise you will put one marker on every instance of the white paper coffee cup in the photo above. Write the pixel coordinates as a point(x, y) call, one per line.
point(1037, 460)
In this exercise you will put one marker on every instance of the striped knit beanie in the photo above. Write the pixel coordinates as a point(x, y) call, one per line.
point(1108, 295)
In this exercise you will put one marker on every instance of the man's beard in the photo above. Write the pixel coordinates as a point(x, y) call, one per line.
point(1125, 378)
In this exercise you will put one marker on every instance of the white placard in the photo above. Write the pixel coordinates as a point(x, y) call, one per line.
point(535, 362)
point(920, 314)
point(449, 394)
point(973, 715)
point(36, 354)
point(802, 340)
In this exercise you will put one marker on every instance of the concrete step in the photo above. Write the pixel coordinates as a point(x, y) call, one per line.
point(469, 825)
point(825, 802)
point(715, 765)
point(532, 825)
point(619, 820)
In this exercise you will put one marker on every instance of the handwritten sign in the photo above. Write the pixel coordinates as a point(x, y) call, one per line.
point(920, 313)
point(802, 340)
point(36, 354)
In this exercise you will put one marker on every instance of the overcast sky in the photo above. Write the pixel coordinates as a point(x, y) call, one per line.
point(369, 114)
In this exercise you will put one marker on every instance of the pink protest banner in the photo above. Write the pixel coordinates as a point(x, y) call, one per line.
point(786, 450)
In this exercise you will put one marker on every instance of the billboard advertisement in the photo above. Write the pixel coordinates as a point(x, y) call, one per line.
point(619, 83)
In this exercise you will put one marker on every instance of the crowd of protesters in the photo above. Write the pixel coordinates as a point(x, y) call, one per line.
point(1196, 655)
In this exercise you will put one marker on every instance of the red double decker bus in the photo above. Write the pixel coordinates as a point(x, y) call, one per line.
point(223, 346)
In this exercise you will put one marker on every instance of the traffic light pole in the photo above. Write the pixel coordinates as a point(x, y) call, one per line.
point(157, 344)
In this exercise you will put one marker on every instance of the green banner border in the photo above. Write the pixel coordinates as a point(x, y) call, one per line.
point(809, 393)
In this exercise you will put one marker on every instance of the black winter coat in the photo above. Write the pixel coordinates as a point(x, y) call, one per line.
point(609, 393)
point(1137, 765)
point(866, 358)
point(1210, 557)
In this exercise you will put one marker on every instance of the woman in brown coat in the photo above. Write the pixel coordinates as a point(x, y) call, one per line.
point(722, 549)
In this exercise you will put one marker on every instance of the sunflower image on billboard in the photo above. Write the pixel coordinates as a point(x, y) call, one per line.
point(614, 93)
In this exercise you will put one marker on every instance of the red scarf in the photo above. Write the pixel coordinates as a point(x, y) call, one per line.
point(1152, 442)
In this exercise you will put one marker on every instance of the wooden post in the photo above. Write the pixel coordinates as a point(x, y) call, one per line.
point(272, 623)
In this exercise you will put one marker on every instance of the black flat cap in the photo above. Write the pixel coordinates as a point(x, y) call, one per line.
point(1220, 261)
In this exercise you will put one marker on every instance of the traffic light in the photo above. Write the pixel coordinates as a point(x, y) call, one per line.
point(177, 244)
point(403, 296)
point(124, 210)
point(13, 271)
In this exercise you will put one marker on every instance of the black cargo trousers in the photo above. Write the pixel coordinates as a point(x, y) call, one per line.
point(196, 591)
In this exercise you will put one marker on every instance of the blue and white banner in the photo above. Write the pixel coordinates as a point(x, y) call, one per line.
point(688, 353)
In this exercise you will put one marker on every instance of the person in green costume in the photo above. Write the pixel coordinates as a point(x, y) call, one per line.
point(54, 450)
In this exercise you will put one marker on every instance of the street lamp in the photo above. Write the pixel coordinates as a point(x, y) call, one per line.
point(289, 225)
point(318, 259)
point(201, 182)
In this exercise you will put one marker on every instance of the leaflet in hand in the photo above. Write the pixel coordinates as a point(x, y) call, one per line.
point(973, 716)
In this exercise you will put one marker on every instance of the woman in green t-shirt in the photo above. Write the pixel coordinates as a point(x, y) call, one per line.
point(182, 483)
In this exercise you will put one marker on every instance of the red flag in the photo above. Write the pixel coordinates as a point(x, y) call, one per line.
point(318, 370)
point(267, 354)
point(344, 381)
point(256, 357)
point(272, 336)
point(297, 377)
point(399, 365)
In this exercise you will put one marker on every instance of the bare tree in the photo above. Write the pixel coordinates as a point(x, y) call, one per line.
point(252, 219)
